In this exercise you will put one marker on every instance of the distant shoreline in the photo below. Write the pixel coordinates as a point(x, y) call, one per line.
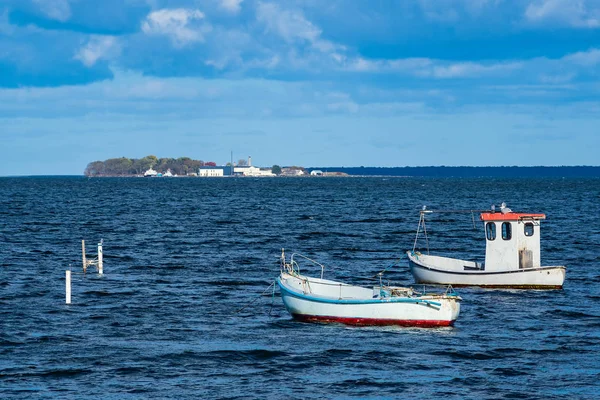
point(432, 172)
point(470, 172)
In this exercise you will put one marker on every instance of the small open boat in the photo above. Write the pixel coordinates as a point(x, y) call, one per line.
point(512, 257)
point(321, 300)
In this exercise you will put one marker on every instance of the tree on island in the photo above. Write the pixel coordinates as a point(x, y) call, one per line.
point(144, 164)
point(136, 167)
point(95, 168)
point(276, 169)
point(118, 166)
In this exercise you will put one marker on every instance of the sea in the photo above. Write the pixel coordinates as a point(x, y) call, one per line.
point(187, 309)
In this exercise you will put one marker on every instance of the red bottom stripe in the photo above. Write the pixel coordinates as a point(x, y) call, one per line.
point(372, 321)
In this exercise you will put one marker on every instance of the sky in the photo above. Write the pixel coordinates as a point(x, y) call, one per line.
point(311, 83)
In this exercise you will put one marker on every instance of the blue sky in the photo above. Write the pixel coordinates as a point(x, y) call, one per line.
point(312, 83)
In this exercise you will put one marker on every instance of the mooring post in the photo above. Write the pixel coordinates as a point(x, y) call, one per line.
point(83, 255)
point(100, 269)
point(68, 286)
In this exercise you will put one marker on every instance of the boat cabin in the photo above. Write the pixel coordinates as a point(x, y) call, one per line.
point(512, 240)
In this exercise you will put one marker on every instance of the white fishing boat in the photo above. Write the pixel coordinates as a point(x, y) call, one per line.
point(512, 256)
point(320, 300)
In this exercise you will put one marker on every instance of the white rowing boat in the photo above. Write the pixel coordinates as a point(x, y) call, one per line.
point(320, 300)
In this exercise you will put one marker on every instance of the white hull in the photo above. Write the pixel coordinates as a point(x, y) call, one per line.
point(312, 299)
point(447, 271)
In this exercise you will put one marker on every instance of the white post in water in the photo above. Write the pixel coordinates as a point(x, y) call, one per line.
point(100, 270)
point(83, 255)
point(68, 286)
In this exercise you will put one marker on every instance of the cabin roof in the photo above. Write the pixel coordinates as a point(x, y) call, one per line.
point(510, 216)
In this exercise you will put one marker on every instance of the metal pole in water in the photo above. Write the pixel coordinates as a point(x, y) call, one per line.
point(83, 255)
point(100, 269)
point(68, 286)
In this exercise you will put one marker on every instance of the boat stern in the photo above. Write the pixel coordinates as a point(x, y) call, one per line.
point(454, 308)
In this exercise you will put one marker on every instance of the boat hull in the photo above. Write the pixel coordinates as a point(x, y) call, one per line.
point(311, 306)
point(530, 278)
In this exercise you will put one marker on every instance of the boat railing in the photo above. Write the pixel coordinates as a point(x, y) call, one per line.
point(296, 267)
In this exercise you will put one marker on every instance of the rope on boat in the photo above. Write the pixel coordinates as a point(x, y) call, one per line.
point(424, 211)
point(380, 273)
point(258, 297)
point(425, 232)
point(272, 299)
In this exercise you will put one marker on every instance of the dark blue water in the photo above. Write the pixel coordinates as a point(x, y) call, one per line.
point(183, 255)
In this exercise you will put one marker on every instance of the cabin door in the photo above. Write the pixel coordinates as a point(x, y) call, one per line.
point(525, 259)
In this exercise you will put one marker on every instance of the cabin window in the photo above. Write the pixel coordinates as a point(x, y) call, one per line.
point(528, 229)
point(490, 230)
point(506, 231)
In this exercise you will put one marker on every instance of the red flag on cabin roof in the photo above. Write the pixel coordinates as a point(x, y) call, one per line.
point(510, 216)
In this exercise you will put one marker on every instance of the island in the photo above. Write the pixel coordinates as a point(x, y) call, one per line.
point(152, 166)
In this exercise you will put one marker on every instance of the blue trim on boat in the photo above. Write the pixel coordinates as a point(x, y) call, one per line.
point(354, 301)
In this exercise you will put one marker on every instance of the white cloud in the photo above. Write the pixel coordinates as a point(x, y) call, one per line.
point(345, 106)
point(98, 47)
point(229, 48)
point(556, 71)
point(292, 27)
point(439, 10)
point(178, 24)
point(233, 6)
point(268, 63)
point(59, 10)
point(557, 80)
point(588, 58)
point(575, 13)
point(406, 64)
point(5, 27)
point(450, 11)
point(426, 67)
point(363, 65)
point(470, 70)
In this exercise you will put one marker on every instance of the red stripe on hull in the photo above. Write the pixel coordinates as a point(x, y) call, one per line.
point(372, 321)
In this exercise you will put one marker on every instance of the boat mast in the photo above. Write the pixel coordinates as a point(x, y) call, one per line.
point(422, 213)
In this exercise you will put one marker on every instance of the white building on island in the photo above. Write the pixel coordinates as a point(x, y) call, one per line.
point(252, 171)
point(249, 170)
point(210, 171)
point(292, 171)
